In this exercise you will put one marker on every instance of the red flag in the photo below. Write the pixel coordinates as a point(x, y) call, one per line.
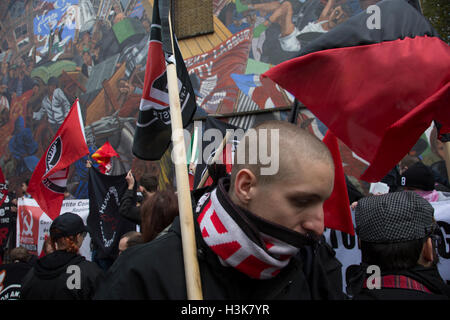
point(49, 179)
point(337, 207)
point(3, 188)
point(103, 157)
point(377, 90)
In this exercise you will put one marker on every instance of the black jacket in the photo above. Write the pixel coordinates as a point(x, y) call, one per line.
point(429, 277)
point(48, 279)
point(11, 276)
point(392, 179)
point(128, 208)
point(155, 270)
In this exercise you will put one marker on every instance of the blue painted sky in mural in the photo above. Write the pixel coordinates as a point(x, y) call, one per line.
point(62, 15)
point(138, 11)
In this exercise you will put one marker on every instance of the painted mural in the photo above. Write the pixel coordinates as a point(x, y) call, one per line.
point(53, 51)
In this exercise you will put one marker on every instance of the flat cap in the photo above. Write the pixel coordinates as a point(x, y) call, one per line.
point(393, 217)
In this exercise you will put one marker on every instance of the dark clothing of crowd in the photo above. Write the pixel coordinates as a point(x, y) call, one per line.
point(128, 208)
point(50, 278)
point(314, 274)
point(418, 283)
point(11, 276)
point(148, 271)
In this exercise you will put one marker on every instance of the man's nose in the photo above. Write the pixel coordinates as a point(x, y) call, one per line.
point(315, 222)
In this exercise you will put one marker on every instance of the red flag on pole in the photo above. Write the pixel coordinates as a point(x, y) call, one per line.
point(377, 89)
point(3, 188)
point(337, 207)
point(103, 157)
point(49, 179)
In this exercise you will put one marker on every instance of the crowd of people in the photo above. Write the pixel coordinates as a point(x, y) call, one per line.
point(257, 237)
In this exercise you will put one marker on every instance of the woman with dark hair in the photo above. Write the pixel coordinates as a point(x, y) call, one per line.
point(157, 214)
point(63, 274)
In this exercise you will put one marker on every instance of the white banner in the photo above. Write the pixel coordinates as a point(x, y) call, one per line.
point(347, 252)
point(33, 224)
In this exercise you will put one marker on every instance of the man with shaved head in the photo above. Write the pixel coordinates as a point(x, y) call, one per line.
point(258, 232)
point(303, 182)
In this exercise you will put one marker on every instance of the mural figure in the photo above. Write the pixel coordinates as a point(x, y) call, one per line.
point(54, 51)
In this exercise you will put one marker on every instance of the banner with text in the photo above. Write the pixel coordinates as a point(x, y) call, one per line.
point(7, 219)
point(33, 224)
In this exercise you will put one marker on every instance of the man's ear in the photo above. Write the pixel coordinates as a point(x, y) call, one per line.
point(427, 252)
point(243, 183)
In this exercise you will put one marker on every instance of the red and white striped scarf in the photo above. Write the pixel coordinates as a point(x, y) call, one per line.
point(234, 248)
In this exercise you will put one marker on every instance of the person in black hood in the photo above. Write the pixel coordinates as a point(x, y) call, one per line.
point(63, 274)
point(257, 232)
point(396, 234)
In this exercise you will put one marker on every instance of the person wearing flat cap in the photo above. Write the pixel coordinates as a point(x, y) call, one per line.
point(63, 274)
point(397, 234)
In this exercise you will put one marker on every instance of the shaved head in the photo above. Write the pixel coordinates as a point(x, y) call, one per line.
point(296, 147)
point(292, 196)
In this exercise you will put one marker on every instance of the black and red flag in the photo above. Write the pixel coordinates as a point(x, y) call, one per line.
point(103, 157)
point(105, 223)
point(208, 147)
point(153, 127)
point(49, 180)
point(376, 89)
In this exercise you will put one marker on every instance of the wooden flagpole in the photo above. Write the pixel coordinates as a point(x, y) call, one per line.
point(192, 271)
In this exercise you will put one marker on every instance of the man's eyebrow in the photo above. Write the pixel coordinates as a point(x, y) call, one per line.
point(301, 194)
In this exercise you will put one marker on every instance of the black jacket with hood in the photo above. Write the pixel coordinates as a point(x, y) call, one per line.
point(48, 280)
point(155, 270)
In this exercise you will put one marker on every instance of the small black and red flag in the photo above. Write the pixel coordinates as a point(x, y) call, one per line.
point(153, 127)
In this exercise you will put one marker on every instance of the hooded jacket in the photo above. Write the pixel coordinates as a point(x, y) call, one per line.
point(49, 279)
point(155, 270)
